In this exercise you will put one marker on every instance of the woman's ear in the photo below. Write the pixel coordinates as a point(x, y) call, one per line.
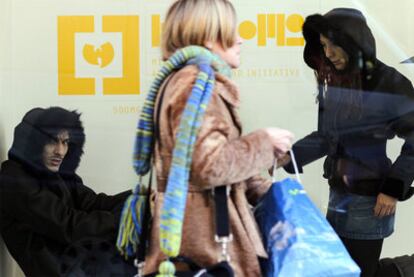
point(208, 45)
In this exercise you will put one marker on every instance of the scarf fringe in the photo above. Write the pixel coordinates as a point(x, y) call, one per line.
point(131, 221)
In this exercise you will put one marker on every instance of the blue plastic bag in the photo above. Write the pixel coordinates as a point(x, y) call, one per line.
point(298, 238)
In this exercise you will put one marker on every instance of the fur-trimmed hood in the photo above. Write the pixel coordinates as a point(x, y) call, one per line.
point(37, 128)
point(346, 28)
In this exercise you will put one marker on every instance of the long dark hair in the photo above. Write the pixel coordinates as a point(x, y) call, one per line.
point(341, 90)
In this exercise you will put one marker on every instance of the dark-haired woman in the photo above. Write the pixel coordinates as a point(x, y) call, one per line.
point(363, 103)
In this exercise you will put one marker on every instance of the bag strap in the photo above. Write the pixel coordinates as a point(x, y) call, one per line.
point(146, 227)
point(295, 166)
point(223, 235)
point(222, 211)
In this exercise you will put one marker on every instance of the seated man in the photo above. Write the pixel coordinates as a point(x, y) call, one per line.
point(49, 220)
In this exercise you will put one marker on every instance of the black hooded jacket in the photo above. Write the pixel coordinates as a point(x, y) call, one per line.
point(355, 121)
point(42, 213)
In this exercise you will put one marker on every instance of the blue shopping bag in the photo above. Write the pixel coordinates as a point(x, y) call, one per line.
point(298, 238)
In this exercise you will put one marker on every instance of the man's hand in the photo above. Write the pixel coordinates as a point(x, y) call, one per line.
point(386, 205)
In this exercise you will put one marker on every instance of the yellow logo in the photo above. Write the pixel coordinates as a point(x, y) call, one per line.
point(283, 29)
point(98, 55)
point(101, 56)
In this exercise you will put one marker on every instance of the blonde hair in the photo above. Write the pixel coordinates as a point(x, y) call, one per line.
point(195, 22)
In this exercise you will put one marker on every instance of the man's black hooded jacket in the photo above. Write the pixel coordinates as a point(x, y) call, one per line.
point(42, 213)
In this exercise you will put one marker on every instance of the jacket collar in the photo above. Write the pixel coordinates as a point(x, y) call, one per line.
point(228, 90)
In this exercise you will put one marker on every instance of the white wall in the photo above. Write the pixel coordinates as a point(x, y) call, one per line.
point(7, 266)
point(277, 88)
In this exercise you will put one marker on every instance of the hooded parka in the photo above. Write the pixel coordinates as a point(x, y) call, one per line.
point(358, 114)
point(44, 213)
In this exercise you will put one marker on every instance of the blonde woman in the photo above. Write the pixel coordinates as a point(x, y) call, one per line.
point(198, 31)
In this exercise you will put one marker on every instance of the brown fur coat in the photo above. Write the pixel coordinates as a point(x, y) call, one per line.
point(221, 157)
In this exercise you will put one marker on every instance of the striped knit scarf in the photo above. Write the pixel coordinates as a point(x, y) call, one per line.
point(172, 213)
